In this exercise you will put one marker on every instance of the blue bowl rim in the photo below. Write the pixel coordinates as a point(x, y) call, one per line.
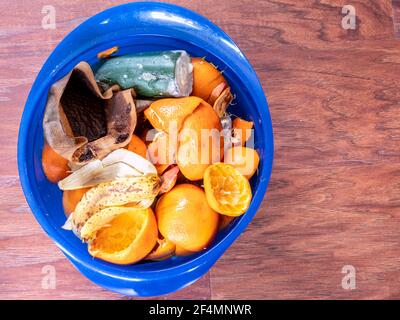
point(131, 275)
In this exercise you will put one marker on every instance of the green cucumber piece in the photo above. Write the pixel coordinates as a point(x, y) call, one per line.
point(151, 74)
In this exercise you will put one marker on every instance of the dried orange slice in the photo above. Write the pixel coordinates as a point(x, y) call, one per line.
point(227, 190)
point(127, 238)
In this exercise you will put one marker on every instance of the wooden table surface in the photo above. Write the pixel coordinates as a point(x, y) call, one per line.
point(334, 195)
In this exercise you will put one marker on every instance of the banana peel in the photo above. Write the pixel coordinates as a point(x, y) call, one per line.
point(99, 220)
point(137, 192)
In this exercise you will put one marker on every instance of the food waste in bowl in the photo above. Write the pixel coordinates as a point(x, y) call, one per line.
point(136, 28)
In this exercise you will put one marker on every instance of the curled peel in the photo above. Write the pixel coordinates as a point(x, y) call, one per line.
point(108, 52)
point(168, 179)
point(223, 101)
point(132, 159)
point(118, 164)
point(217, 92)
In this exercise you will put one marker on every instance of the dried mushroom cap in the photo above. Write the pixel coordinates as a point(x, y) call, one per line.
point(81, 122)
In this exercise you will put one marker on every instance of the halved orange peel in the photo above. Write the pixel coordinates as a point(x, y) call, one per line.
point(127, 238)
point(228, 192)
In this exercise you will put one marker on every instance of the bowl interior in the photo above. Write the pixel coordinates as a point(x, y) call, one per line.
point(47, 197)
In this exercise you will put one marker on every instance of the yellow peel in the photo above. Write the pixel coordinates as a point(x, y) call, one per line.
point(99, 220)
point(227, 191)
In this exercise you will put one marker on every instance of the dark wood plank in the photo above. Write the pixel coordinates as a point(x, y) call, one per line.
point(334, 184)
point(396, 17)
point(24, 247)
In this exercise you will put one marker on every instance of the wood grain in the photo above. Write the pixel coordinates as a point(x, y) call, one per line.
point(396, 17)
point(334, 194)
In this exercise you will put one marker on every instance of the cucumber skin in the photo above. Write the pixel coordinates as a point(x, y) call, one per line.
point(127, 71)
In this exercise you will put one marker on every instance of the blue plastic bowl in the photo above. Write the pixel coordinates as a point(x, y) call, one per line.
point(141, 27)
